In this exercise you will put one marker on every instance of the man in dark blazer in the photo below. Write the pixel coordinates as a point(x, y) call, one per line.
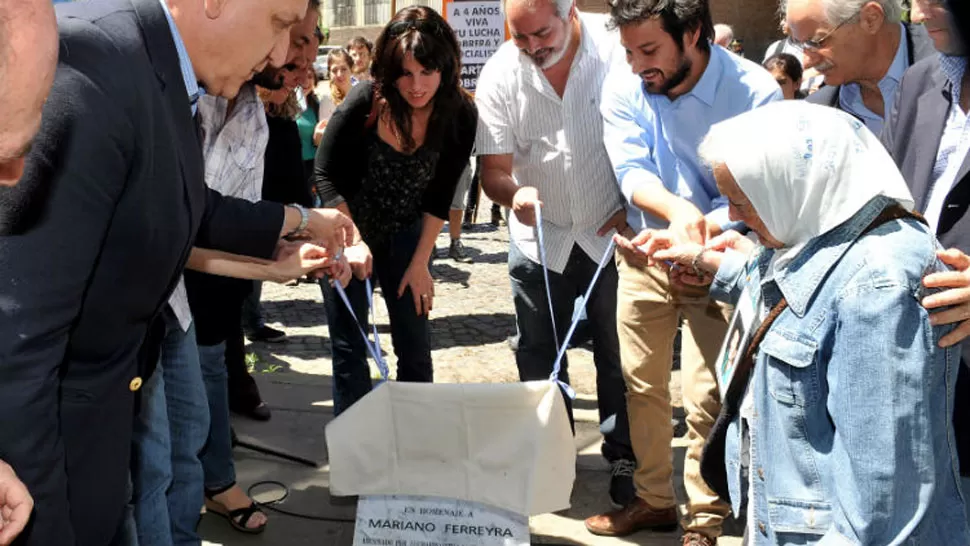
point(923, 133)
point(861, 49)
point(81, 293)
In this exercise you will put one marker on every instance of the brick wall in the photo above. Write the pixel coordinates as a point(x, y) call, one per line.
point(754, 21)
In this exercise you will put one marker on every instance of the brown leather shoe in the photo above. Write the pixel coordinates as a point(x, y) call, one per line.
point(636, 516)
point(693, 538)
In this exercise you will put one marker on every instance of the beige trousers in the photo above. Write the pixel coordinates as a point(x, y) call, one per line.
point(648, 314)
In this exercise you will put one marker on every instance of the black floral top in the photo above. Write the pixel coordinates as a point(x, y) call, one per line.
point(385, 189)
point(391, 191)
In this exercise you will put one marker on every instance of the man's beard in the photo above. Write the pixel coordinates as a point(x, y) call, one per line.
point(557, 56)
point(670, 82)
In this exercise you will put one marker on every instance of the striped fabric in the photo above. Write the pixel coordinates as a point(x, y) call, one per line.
point(557, 144)
point(233, 151)
point(954, 144)
point(234, 148)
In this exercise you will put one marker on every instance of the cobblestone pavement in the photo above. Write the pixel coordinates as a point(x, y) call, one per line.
point(471, 324)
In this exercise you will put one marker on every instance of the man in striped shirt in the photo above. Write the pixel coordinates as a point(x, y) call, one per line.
point(540, 140)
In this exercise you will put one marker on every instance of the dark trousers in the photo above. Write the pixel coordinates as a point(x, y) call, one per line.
point(471, 203)
point(410, 333)
point(536, 352)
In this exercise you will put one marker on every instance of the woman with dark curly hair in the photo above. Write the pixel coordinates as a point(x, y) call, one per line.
point(391, 157)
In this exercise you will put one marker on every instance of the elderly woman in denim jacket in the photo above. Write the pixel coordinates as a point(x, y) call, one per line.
point(846, 408)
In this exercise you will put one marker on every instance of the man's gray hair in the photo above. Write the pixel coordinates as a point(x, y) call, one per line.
point(562, 6)
point(839, 11)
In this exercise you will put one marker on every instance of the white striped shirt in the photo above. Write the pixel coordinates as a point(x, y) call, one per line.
point(233, 149)
point(557, 144)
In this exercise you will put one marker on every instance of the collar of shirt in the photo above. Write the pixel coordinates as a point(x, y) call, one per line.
point(185, 63)
point(954, 68)
point(705, 90)
point(810, 267)
point(850, 94)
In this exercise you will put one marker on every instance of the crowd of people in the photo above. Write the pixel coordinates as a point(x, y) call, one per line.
point(797, 230)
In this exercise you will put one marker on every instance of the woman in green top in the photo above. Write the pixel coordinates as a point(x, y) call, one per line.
point(307, 123)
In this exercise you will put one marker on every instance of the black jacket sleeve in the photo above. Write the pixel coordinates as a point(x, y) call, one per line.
point(340, 162)
point(453, 160)
point(45, 272)
point(240, 227)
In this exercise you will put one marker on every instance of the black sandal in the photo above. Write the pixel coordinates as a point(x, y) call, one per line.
point(237, 518)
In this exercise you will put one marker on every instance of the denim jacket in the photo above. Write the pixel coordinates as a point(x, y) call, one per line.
point(850, 435)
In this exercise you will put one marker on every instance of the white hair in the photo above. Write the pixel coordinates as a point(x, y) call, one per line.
point(562, 6)
point(723, 31)
point(839, 11)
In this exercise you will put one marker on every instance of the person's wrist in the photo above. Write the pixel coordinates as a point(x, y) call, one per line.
point(705, 261)
point(304, 220)
point(696, 261)
point(685, 211)
point(274, 274)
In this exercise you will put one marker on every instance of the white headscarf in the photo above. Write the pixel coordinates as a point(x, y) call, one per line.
point(805, 168)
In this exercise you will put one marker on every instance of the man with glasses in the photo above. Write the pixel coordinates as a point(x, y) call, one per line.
point(861, 49)
point(928, 135)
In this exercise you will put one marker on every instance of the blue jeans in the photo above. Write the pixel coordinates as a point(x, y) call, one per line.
point(410, 333)
point(252, 312)
point(170, 431)
point(536, 352)
point(965, 486)
point(217, 463)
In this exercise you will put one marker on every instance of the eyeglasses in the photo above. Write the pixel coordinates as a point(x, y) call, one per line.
point(814, 44)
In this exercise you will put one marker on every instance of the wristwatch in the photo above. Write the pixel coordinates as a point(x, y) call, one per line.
point(304, 220)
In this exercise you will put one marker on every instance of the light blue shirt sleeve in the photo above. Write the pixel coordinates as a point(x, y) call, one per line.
point(719, 216)
point(628, 143)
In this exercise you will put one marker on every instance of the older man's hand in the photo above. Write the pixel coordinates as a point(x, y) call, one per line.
point(956, 296)
point(16, 504)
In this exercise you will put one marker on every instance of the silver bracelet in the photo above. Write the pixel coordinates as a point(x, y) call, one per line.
point(697, 259)
point(304, 220)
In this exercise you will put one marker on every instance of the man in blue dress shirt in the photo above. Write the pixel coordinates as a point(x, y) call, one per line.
point(655, 118)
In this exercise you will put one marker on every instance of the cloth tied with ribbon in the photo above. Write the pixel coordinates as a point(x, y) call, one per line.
point(505, 445)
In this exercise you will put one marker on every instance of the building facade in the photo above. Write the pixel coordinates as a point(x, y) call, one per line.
point(755, 22)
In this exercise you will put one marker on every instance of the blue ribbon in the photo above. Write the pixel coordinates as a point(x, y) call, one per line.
point(373, 348)
point(561, 349)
